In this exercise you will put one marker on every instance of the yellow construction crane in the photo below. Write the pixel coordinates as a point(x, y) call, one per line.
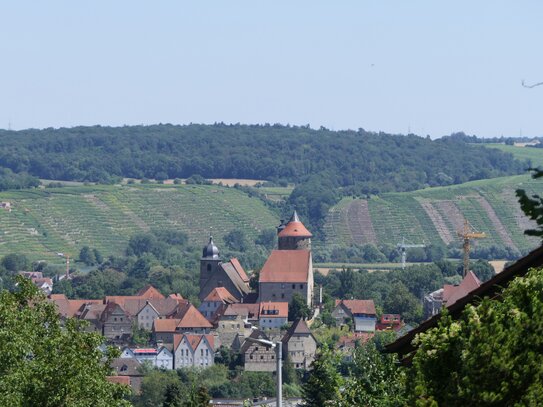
point(467, 234)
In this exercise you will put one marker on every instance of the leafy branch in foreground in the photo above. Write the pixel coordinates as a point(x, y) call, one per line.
point(532, 206)
point(47, 363)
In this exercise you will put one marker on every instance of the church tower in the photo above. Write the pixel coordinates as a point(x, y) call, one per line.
point(293, 235)
point(209, 263)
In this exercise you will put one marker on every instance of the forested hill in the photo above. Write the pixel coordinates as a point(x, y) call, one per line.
point(324, 164)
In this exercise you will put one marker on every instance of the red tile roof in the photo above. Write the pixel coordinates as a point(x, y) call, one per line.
point(295, 229)
point(165, 325)
point(192, 318)
point(220, 294)
point(119, 379)
point(193, 340)
point(237, 265)
point(273, 310)
point(149, 291)
point(452, 293)
point(359, 306)
point(286, 266)
point(249, 310)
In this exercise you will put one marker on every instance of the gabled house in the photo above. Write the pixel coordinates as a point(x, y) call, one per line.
point(232, 322)
point(218, 298)
point(193, 350)
point(449, 294)
point(258, 357)
point(131, 368)
point(300, 345)
point(116, 323)
point(187, 320)
point(273, 315)
point(360, 312)
point(160, 358)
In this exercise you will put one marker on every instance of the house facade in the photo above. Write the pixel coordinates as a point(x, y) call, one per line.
point(360, 314)
point(257, 357)
point(273, 315)
point(161, 358)
point(300, 345)
point(193, 350)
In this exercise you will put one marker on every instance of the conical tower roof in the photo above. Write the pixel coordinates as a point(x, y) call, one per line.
point(295, 228)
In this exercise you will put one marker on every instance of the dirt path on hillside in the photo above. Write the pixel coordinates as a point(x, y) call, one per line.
point(359, 222)
point(438, 221)
point(498, 225)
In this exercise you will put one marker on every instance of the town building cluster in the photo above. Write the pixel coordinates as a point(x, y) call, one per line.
point(230, 314)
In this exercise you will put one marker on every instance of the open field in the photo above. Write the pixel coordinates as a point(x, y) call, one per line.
point(46, 221)
point(521, 153)
point(434, 215)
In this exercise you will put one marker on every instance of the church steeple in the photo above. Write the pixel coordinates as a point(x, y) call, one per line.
point(210, 251)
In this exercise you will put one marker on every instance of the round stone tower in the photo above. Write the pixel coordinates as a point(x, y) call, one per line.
point(294, 235)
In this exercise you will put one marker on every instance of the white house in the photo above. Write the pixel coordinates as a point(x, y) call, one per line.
point(193, 350)
point(160, 358)
point(273, 315)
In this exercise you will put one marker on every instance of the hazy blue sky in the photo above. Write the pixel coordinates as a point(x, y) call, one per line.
point(433, 67)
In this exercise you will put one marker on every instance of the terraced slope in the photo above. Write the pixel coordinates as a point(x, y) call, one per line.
point(436, 214)
point(44, 222)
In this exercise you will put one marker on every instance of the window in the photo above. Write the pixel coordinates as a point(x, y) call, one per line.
point(251, 357)
point(293, 286)
point(209, 267)
point(207, 352)
point(124, 368)
point(256, 348)
point(282, 295)
point(273, 357)
point(301, 286)
point(201, 352)
point(261, 357)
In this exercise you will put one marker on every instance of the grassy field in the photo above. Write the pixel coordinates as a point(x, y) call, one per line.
point(522, 153)
point(46, 221)
point(436, 214)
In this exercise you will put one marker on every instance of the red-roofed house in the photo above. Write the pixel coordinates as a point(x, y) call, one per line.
point(361, 312)
point(193, 350)
point(273, 315)
point(449, 294)
point(219, 297)
point(187, 320)
point(289, 269)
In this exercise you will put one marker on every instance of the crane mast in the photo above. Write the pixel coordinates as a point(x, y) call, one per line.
point(468, 233)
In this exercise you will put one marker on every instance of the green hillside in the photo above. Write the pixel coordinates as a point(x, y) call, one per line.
point(535, 155)
point(44, 222)
point(434, 215)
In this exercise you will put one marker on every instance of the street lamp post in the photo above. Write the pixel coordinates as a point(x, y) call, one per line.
point(278, 366)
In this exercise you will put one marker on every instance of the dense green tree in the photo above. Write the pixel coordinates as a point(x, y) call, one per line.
point(15, 262)
point(490, 356)
point(533, 206)
point(375, 379)
point(47, 363)
point(236, 240)
point(267, 238)
point(322, 387)
point(298, 308)
point(87, 256)
point(174, 395)
point(400, 301)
